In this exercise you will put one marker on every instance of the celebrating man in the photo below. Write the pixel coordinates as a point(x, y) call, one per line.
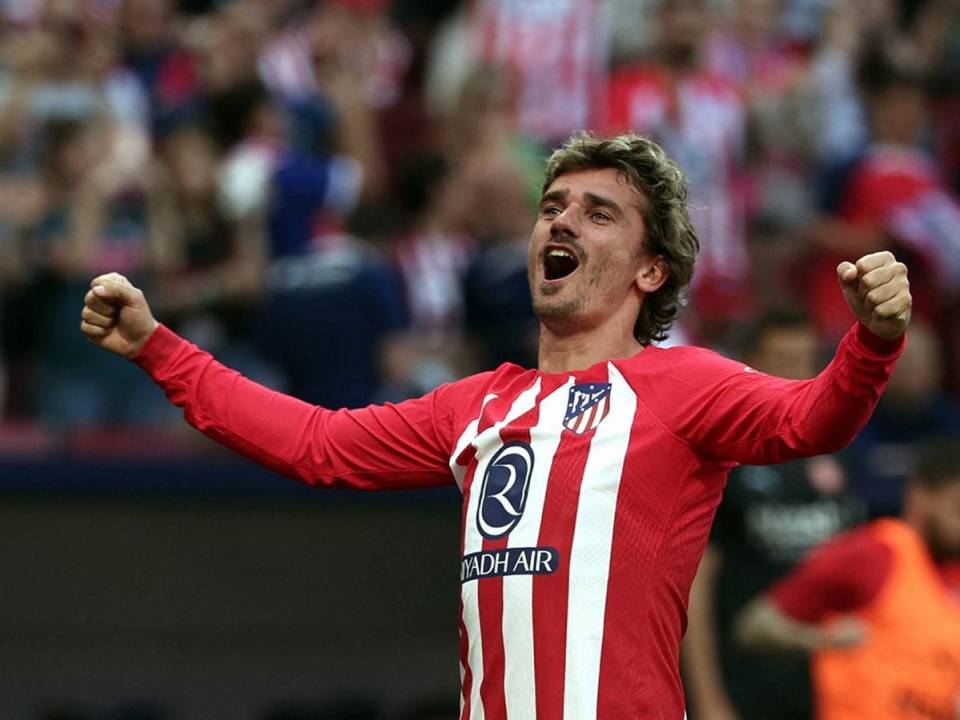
point(589, 484)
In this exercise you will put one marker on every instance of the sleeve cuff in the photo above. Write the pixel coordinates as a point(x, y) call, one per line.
point(877, 345)
point(159, 348)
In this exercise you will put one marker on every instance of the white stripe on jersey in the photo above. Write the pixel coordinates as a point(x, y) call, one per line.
point(519, 681)
point(468, 435)
point(473, 542)
point(590, 553)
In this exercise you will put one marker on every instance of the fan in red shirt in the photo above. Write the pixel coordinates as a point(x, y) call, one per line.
point(877, 608)
point(589, 484)
point(700, 117)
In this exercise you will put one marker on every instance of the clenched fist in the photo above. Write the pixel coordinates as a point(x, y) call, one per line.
point(116, 316)
point(878, 293)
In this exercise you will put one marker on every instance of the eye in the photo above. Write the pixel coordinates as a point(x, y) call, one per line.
point(550, 211)
point(600, 216)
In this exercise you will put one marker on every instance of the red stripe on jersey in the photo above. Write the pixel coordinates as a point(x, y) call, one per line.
point(593, 414)
point(645, 511)
point(490, 590)
point(550, 591)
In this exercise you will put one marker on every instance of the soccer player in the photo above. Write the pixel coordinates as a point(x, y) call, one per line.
point(878, 608)
point(589, 484)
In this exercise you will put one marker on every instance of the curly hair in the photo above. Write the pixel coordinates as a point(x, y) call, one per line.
point(669, 232)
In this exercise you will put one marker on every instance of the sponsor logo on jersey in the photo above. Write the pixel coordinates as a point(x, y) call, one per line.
point(509, 561)
point(503, 493)
point(587, 406)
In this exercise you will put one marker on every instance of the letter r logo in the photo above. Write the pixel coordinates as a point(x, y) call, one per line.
point(503, 493)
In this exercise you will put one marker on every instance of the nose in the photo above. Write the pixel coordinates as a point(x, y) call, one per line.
point(567, 222)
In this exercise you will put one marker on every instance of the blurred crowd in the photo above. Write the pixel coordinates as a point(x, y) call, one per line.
point(334, 196)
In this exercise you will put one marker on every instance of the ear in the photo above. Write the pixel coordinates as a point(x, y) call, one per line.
point(652, 274)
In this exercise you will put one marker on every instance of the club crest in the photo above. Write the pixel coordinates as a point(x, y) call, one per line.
point(587, 406)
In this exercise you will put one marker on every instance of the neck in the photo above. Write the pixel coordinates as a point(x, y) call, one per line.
point(567, 352)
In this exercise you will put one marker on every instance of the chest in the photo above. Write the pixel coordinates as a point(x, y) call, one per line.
point(560, 458)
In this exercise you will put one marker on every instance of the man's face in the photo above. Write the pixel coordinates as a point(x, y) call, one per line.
point(586, 251)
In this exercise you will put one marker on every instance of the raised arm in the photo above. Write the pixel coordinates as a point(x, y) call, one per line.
point(391, 446)
point(731, 413)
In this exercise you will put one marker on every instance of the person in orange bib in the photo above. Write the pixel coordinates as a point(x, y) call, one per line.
point(878, 608)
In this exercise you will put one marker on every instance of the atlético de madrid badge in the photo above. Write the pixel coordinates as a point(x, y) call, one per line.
point(587, 406)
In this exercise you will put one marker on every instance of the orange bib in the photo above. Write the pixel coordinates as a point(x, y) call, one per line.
point(909, 666)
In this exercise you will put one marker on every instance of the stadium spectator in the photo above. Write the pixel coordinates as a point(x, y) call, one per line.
point(341, 60)
point(892, 197)
point(73, 142)
point(432, 256)
point(914, 408)
point(751, 51)
point(153, 49)
point(482, 128)
point(325, 318)
point(748, 47)
point(208, 256)
point(872, 609)
point(62, 66)
point(92, 218)
point(494, 162)
point(916, 34)
point(499, 310)
point(700, 118)
point(554, 53)
point(332, 159)
point(770, 518)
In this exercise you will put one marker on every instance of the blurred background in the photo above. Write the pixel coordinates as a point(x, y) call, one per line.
point(334, 197)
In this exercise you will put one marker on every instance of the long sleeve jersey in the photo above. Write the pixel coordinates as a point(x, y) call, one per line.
point(587, 496)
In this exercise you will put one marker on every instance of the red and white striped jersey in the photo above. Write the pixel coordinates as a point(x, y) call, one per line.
point(587, 496)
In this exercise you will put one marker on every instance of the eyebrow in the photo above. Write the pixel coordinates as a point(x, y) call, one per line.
point(603, 202)
point(592, 198)
point(554, 195)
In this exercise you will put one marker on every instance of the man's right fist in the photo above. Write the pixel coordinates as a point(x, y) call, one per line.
point(116, 316)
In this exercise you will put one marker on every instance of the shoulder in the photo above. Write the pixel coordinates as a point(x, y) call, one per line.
point(864, 544)
point(859, 559)
point(467, 395)
point(682, 364)
point(843, 575)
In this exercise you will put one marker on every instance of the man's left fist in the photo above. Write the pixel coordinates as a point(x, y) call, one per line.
point(878, 293)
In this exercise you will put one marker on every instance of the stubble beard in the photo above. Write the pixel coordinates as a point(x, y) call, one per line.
point(563, 315)
point(557, 313)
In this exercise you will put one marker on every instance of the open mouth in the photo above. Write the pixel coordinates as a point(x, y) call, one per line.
point(558, 263)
